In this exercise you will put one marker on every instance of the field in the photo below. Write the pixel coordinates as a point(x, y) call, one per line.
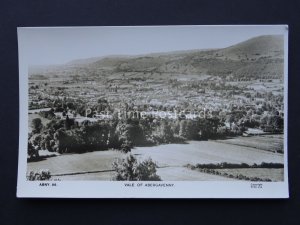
point(171, 160)
point(185, 174)
point(273, 143)
point(262, 173)
point(78, 163)
point(205, 152)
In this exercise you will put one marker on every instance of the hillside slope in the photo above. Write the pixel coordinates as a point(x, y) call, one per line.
point(260, 57)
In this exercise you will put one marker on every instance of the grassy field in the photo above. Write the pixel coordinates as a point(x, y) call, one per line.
point(77, 163)
point(262, 173)
point(271, 143)
point(205, 152)
point(100, 176)
point(185, 174)
point(171, 159)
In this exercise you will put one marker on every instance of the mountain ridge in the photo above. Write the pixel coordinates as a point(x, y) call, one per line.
point(258, 56)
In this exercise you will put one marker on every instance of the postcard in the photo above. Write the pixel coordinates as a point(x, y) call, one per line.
point(153, 112)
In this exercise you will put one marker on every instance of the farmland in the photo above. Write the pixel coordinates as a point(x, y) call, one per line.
point(273, 174)
point(171, 160)
point(273, 143)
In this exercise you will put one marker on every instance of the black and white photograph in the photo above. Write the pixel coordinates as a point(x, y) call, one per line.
point(153, 111)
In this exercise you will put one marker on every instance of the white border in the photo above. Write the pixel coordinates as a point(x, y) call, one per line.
point(116, 189)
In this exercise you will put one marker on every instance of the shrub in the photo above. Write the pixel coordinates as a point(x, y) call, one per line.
point(41, 175)
point(32, 152)
point(126, 146)
point(131, 169)
point(225, 165)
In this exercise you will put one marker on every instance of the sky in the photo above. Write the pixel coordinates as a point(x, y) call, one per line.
point(59, 45)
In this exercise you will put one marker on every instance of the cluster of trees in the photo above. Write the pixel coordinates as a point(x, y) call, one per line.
point(38, 175)
point(130, 169)
point(272, 123)
point(67, 135)
point(48, 114)
point(240, 120)
point(79, 107)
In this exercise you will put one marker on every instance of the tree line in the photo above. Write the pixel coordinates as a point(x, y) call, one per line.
point(65, 135)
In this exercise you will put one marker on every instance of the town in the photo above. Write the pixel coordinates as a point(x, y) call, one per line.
point(131, 103)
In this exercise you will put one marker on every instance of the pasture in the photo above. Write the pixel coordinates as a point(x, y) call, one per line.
point(262, 173)
point(272, 143)
point(170, 158)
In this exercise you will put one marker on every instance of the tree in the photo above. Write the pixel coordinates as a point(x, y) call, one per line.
point(182, 128)
point(31, 151)
point(61, 141)
point(131, 169)
point(209, 127)
point(47, 114)
point(130, 131)
point(68, 123)
point(37, 125)
point(70, 105)
point(192, 130)
point(166, 132)
point(276, 122)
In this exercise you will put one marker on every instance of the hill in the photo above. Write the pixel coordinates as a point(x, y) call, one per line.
point(261, 57)
point(262, 46)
